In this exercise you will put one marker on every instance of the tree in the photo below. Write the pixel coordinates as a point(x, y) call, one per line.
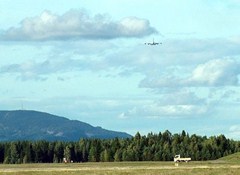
point(27, 152)
point(67, 154)
point(162, 146)
point(147, 155)
point(14, 155)
point(92, 157)
point(58, 153)
point(1, 152)
point(105, 156)
point(118, 155)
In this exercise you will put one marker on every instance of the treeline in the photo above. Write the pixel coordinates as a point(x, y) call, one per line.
point(153, 147)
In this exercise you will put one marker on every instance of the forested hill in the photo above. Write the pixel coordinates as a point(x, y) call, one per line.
point(33, 125)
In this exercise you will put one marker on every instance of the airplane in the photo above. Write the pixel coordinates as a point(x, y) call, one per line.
point(153, 43)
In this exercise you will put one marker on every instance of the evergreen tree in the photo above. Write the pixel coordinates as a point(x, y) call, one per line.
point(105, 156)
point(67, 154)
point(118, 155)
point(1, 152)
point(58, 153)
point(92, 157)
point(157, 147)
point(14, 155)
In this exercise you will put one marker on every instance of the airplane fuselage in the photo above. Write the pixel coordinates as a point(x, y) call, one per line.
point(153, 43)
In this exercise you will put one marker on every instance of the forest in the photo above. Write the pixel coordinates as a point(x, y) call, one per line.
point(151, 147)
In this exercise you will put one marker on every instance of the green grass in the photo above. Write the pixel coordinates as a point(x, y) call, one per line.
point(122, 168)
point(233, 158)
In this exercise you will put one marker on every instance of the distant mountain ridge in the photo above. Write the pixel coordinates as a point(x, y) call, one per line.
point(35, 125)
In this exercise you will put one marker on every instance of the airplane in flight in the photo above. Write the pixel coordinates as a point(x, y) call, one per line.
point(153, 43)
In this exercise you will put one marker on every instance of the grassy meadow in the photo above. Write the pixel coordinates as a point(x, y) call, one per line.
point(220, 167)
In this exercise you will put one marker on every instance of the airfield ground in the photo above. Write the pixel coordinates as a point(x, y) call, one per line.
point(120, 168)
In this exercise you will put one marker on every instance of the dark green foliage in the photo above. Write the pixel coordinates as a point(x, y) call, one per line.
point(153, 147)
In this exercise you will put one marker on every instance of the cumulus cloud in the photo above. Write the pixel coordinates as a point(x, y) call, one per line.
point(32, 70)
point(157, 110)
point(77, 24)
point(176, 105)
point(184, 98)
point(216, 73)
point(175, 110)
point(213, 73)
point(234, 131)
point(174, 52)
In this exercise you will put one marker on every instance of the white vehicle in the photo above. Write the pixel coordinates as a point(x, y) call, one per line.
point(178, 158)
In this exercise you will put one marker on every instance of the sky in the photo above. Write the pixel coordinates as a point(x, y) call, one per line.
point(87, 61)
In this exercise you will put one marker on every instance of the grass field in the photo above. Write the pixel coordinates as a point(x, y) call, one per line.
point(117, 168)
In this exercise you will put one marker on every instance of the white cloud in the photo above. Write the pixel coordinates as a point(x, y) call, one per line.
point(122, 116)
point(234, 132)
point(175, 110)
point(219, 72)
point(183, 98)
point(176, 63)
point(31, 69)
point(234, 128)
point(213, 73)
point(132, 26)
point(76, 24)
point(176, 105)
point(156, 110)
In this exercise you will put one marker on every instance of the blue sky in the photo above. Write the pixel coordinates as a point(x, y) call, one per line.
point(87, 60)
